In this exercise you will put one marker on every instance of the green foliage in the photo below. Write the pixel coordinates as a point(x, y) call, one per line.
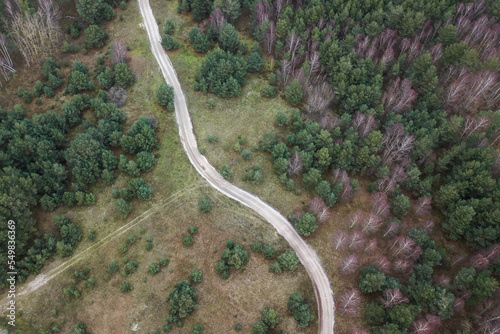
point(141, 137)
point(275, 268)
point(122, 208)
point(169, 43)
point(255, 63)
point(182, 300)
point(233, 257)
point(259, 328)
point(95, 37)
point(126, 288)
point(169, 27)
point(221, 73)
point(306, 224)
point(164, 261)
point(195, 276)
point(400, 205)
point(226, 171)
point(106, 79)
point(293, 92)
point(246, 154)
point(124, 76)
point(269, 252)
point(300, 310)
point(270, 317)
point(288, 261)
point(153, 269)
point(371, 280)
point(197, 329)
point(79, 328)
point(94, 11)
point(192, 230)
point(204, 205)
point(228, 38)
point(269, 91)
point(229, 8)
point(187, 240)
point(212, 139)
point(69, 48)
point(113, 268)
point(198, 40)
point(165, 97)
point(282, 119)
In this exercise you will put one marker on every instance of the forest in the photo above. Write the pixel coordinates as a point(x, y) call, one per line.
point(51, 159)
point(405, 95)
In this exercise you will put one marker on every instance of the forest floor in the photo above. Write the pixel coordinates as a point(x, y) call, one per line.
point(173, 208)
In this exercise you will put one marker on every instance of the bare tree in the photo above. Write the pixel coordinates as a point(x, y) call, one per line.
point(393, 297)
point(399, 96)
point(397, 145)
point(328, 123)
point(474, 125)
point(356, 241)
point(428, 226)
point(479, 262)
point(117, 95)
point(119, 53)
point(402, 266)
point(349, 265)
point(296, 165)
point(319, 97)
point(323, 215)
point(371, 246)
point(354, 219)
point(349, 302)
point(423, 206)
point(6, 65)
point(380, 206)
point(371, 224)
point(35, 35)
point(49, 11)
point(382, 265)
point(391, 230)
point(403, 246)
point(217, 20)
point(340, 241)
point(443, 281)
point(316, 205)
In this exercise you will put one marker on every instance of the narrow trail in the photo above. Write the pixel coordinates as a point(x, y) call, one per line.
point(305, 253)
point(43, 279)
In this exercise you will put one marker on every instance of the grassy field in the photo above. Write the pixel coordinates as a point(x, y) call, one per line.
point(173, 208)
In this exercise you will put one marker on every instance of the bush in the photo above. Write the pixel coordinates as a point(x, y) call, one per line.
point(196, 276)
point(299, 310)
point(293, 92)
point(274, 267)
point(259, 328)
point(204, 205)
point(113, 268)
point(165, 97)
point(227, 83)
point(106, 79)
point(288, 261)
point(255, 62)
point(95, 37)
point(169, 27)
point(79, 328)
point(400, 205)
point(197, 329)
point(198, 40)
point(124, 76)
point(94, 11)
point(226, 171)
point(282, 119)
point(212, 139)
point(145, 161)
point(246, 154)
point(269, 252)
point(153, 269)
point(164, 262)
point(122, 207)
point(192, 230)
point(125, 288)
point(233, 257)
point(169, 43)
point(187, 241)
point(69, 48)
point(256, 247)
point(306, 224)
point(270, 317)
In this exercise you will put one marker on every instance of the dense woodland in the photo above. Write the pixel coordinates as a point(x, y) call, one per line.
point(50, 159)
point(405, 94)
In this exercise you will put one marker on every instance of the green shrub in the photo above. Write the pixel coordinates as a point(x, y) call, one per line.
point(212, 139)
point(165, 97)
point(246, 154)
point(164, 262)
point(226, 171)
point(274, 267)
point(169, 43)
point(204, 205)
point(69, 48)
point(269, 252)
point(187, 241)
point(288, 261)
point(113, 268)
point(256, 247)
point(192, 230)
point(293, 92)
point(196, 276)
point(95, 37)
point(125, 288)
point(124, 76)
point(153, 269)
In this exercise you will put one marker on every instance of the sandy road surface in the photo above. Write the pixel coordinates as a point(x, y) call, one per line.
point(322, 289)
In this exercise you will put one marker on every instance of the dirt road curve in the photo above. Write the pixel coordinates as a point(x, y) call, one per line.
point(322, 289)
